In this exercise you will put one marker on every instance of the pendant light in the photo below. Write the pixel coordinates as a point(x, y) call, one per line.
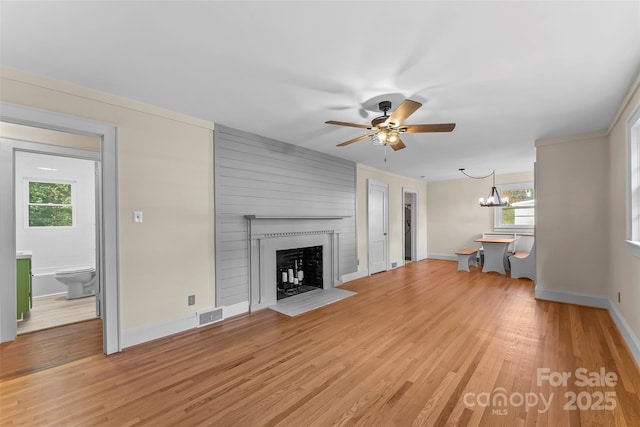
point(494, 199)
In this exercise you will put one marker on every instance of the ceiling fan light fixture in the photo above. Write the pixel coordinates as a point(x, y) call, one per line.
point(386, 129)
point(386, 136)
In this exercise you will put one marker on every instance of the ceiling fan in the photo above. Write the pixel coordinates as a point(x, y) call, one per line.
point(387, 129)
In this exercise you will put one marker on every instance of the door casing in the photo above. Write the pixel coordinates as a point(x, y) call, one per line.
point(108, 203)
point(413, 195)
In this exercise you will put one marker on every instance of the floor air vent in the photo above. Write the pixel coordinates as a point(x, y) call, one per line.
point(210, 316)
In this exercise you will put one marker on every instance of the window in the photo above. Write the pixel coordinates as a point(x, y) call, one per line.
point(633, 182)
point(49, 204)
point(520, 214)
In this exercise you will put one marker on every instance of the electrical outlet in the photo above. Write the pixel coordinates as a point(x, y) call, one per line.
point(192, 299)
point(618, 297)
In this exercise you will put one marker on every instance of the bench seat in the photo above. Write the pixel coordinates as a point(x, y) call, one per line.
point(466, 257)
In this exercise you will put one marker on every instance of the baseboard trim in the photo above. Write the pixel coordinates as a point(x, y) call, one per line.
point(423, 257)
point(572, 298)
point(446, 257)
point(398, 264)
point(599, 302)
point(49, 295)
point(355, 275)
point(174, 326)
point(625, 330)
point(159, 330)
point(235, 309)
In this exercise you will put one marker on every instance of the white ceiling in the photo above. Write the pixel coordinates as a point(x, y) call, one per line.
point(507, 73)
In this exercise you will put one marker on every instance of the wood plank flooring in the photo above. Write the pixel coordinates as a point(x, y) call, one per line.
point(420, 345)
point(56, 310)
point(48, 348)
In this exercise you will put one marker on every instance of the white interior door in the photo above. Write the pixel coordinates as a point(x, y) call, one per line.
point(378, 213)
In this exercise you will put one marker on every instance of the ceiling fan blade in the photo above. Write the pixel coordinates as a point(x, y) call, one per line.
point(355, 125)
point(351, 141)
point(407, 108)
point(399, 145)
point(441, 127)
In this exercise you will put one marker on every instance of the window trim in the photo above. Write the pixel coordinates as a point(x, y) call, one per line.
point(28, 203)
point(633, 181)
point(497, 213)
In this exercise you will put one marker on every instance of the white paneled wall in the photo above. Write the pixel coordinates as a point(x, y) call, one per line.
point(259, 176)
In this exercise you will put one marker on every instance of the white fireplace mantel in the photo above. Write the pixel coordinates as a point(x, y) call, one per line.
point(293, 217)
point(271, 233)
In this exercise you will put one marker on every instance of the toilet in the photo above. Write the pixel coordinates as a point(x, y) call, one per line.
point(80, 281)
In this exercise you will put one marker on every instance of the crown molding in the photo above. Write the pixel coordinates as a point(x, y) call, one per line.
point(599, 134)
point(635, 87)
point(98, 96)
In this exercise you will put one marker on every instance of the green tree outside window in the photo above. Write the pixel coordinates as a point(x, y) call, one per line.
point(50, 204)
point(520, 213)
point(516, 198)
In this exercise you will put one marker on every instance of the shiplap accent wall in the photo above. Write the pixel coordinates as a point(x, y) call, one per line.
point(260, 176)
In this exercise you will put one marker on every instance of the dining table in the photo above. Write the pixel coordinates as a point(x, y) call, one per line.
point(495, 250)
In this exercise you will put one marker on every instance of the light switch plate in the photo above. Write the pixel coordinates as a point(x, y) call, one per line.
point(137, 216)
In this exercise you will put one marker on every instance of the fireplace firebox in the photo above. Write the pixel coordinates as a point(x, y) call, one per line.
point(298, 270)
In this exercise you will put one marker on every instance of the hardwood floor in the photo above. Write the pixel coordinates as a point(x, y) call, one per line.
point(48, 348)
point(420, 345)
point(56, 310)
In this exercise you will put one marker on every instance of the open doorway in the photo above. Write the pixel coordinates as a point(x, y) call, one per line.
point(106, 226)
point(56, 236)
point(410, 224)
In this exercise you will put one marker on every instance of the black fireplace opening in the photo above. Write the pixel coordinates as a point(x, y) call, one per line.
point(298, 270)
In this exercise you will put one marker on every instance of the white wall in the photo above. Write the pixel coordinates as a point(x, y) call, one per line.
point(165, 169)
point(455, 218)
point(625, 268)
point(397, 184)
point(54, 248)
point(581, 200)
point(572, 214)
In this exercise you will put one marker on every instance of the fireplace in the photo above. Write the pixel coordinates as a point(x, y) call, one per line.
point(269, 235)
point(298, 270)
